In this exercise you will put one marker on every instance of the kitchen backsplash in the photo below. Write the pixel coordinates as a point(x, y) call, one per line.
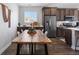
point(60, 23)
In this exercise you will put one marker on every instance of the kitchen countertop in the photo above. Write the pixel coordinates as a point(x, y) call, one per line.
point(74, 28)
point(71, 28)
point(74, 37)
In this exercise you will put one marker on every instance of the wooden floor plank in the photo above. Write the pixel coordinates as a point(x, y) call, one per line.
point(57, 48)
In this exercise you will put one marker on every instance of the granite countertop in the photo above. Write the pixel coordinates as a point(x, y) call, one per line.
point(74, 28)
point(71, 28)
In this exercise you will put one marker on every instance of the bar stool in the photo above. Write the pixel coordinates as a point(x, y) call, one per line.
point(77, 39)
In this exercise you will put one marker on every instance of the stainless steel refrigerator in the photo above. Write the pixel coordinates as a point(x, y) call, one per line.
point(50, 26)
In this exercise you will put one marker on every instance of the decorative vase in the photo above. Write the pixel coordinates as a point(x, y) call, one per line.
point(31, 31)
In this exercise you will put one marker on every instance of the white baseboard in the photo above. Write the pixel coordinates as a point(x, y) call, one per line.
point(4, 48)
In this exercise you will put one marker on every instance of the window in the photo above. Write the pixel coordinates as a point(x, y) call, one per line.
point(29, 17)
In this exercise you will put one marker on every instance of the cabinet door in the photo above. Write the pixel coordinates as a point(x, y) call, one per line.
point(71, 12)
point(58, 15)
point(60, 32)
point(77, 35)
point(62, 13)
point(67, 12)
point(68, 37)
point(78, 15)
point(47, 11)
point(53, 11)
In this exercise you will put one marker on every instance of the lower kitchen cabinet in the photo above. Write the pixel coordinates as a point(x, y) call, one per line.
point(68, 37)
point(65, 33)
point(60, 32)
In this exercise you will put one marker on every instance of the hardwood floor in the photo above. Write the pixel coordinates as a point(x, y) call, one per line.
point(58, 47)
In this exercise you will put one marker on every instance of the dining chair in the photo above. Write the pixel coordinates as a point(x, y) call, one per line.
point(18, 34)
point(46, 33)
point(22, 30)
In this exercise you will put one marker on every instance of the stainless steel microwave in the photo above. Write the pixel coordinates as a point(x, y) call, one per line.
point(69, 18)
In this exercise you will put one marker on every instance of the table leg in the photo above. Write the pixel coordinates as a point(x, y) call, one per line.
point(35, 48)
point(32, 49)
point(18, 49)
point(29, 48)
point(46, 49)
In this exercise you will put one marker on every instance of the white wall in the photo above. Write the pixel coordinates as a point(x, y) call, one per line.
point(6, 33)
point(23, 9)
point(64, 5)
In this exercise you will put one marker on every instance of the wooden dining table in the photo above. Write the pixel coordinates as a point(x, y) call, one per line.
point(38, 38)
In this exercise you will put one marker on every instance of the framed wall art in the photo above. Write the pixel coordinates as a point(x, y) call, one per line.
point(6, 14)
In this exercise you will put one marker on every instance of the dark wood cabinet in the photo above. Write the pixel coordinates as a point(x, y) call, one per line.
point(58, 15)
point(68, 37)
point(62, 12)
point(49, 11)
point(60, 32)
point(53, 11)
point(67, 12)
point(65, 33)
point(46, 11)
point(70, 12)
point(78, 15)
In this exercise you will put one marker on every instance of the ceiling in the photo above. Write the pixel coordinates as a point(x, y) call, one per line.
point(33, 4)
point(60, 5)
point(65, 5)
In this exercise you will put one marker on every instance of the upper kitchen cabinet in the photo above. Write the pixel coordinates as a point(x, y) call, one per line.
point(49, 11)
point(46, 11)
point(70, 12)
point(67, 12)
point(78, 15)
point(53, 11)
point(60, 14)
